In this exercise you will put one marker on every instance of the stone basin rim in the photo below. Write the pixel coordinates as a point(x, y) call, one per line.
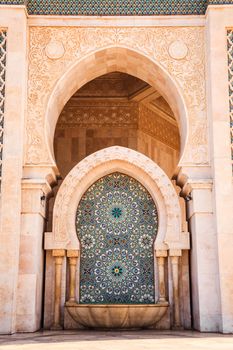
point(75, 304)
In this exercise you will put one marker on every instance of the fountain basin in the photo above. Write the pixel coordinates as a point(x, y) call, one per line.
point(117, 316)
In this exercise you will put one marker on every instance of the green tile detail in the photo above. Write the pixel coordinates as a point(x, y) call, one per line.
point(12, 2)
point(116, 7)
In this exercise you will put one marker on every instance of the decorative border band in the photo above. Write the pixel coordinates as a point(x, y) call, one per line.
point(3, 39)
point(230, 79)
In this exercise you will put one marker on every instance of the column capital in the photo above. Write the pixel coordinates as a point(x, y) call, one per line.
point(161, 253)
point(58, 253)
point(175, 252)
point(72, 253)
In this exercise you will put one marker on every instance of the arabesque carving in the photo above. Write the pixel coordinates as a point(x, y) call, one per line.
point(157, 127)
point(99, 114)
point(85, 173)
point(153, 43)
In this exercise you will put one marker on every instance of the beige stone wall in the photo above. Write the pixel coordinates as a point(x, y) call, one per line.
point(158, 139)
point(218, 21)
point(12, 276)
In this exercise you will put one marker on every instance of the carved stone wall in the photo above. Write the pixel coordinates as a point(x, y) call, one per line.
point(54, 50)
point(157, 127)
point(86, 126)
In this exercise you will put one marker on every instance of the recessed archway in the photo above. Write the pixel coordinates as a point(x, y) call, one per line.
point(109, 60)
point(117, 109)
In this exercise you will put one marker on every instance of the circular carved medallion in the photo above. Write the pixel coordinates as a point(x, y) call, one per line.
point(178, 50)
point(55, 50)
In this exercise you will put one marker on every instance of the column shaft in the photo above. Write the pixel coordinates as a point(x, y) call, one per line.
point(58, 279)
point(161, 263)
point(72, 287)
point(175, 281)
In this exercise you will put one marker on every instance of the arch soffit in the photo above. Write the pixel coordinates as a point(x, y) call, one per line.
point(102, 163)
point(107, 60)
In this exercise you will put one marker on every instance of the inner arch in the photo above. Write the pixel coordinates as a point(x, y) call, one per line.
point(117, 109)
point(110, 60)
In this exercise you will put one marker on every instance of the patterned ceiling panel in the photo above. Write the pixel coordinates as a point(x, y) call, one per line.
point(116, 7)
point(117, 223)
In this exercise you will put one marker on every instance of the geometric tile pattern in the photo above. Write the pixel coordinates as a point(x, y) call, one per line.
point(13, 2)
point(3, 37)
point(230, 80)
point(220, 2)
point(117, 223)
point(116, 7)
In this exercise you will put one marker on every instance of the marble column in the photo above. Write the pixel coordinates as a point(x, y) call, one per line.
point(174, 257)
point(72, 259)
point(161, 256)
point(58, 256)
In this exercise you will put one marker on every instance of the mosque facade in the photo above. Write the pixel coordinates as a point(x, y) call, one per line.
point(116, 148)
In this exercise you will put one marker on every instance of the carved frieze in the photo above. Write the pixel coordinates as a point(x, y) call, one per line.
point(99, 113)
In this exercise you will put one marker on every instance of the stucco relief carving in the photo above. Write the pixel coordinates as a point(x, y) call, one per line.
point(76, 183)
point(100, 113)
point(157, 127)
point(151, 42)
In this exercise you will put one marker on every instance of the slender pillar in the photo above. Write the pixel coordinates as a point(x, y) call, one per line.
point(58, 255)
point(175, 283)
point(72, 258)
point(161, 256)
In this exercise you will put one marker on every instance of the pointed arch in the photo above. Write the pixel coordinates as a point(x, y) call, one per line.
point(129, 162)
point(109, 60)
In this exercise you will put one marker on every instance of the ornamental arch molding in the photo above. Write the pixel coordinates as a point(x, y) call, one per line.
point(108, 60)
point(129, 162)
point(69, 57)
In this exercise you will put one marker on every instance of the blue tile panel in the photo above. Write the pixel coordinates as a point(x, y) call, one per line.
point(230, 80)
point(3, 40)
point(12, 2)
point(220, 2)
point(116, 7)
point(117, 223)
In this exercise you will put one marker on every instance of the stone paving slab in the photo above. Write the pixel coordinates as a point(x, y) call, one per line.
point(113, 340)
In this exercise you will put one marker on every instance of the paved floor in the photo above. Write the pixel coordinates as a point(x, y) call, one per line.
point(135, 340)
